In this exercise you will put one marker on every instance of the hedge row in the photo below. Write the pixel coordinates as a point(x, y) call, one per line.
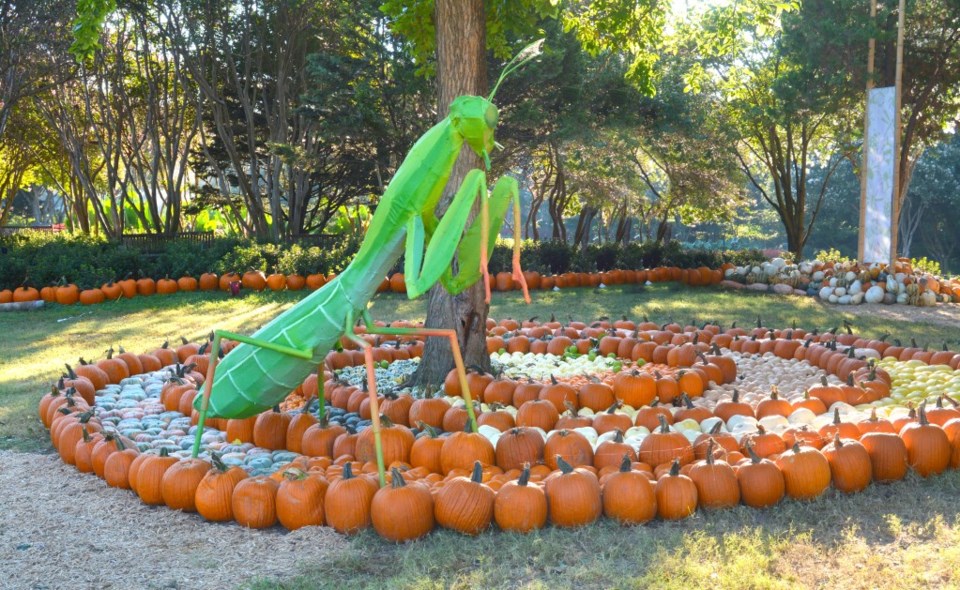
point(41, 258)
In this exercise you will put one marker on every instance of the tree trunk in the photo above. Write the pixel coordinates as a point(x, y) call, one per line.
point(581, 236)
point(663, 230)
point(461, 69)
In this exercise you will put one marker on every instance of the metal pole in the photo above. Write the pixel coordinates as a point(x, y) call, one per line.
point(871, 52)
point(895, 217)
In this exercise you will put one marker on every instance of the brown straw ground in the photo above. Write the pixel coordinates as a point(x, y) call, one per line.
point(64, 529)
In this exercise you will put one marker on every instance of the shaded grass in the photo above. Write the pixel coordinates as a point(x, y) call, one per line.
point(37, 344)
point(903, 535)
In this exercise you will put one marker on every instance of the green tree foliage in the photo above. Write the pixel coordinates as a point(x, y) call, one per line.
point(828, 39)
point(786, 125)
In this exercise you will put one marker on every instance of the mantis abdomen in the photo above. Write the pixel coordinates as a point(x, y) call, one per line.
point(252, 379)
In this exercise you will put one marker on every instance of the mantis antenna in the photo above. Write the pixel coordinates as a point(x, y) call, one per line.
point(528, 53)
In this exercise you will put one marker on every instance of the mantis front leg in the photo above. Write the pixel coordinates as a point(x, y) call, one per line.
point(422, 269)
point(480, 239)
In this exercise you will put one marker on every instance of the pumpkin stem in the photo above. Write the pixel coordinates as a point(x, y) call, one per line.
point(664, 427)
point(736, 396)
point(164, 452)
point(774, 393)
point(524, 475)
point(397, 478)
point(217, 460)
point(754, 457)
point(716, 428)
point(796, 446)
point(618, 436)
point(613, 408)
point(836, 416)
point(836, 439)
point(675, 468)
point(347, 471)
point(922, 414)
point(686, 401)
point(625, 463)
point(823, 380)
point(477, 476)
point(430, 430)
point(292, 474)
point(563, 465)
point(710, 446)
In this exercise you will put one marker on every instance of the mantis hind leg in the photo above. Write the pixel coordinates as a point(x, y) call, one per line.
point(450, 335)
point(372, 390)
point(481, 237)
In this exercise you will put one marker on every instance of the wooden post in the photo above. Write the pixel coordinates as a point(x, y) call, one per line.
point(871, 52)
point(895, 210)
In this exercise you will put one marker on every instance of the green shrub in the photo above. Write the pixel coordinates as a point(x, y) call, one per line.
point(553, 257)
point(604, 256)
point(501, 259)
point(43, 258)
point(831, 255)
point(180, 258)
point(925, 265)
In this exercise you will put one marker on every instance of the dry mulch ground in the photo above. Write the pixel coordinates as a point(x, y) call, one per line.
point(64, 529)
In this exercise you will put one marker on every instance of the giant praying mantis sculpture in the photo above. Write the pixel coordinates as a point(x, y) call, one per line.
point(265, 367)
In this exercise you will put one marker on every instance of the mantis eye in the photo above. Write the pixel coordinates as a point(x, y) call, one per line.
point(490, 118)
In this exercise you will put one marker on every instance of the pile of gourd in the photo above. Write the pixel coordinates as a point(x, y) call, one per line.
point(848, 283)
point(677, 429)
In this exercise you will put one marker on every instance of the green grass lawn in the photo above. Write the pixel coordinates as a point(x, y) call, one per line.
point(904, 535)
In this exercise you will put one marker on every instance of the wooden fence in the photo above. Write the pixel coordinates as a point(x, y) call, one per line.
point(154, 243)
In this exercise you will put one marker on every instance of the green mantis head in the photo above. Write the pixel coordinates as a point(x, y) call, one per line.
point(475, 119)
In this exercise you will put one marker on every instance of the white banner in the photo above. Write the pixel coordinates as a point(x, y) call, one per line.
point(880, 162)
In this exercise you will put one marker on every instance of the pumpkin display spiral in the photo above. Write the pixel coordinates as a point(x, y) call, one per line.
point(563, 439)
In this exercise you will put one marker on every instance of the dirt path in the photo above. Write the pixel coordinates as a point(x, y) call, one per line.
point(64, 529)
point(944, 315)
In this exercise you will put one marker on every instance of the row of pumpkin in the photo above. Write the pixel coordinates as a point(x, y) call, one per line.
point(255, 280)
point(663, 478)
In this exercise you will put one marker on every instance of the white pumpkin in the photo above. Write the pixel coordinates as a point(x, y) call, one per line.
point(801, 416)
point(739, 422)
point(874, 294)
point(774, 422)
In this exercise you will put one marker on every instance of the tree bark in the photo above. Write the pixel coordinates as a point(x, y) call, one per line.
point(461, 69)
